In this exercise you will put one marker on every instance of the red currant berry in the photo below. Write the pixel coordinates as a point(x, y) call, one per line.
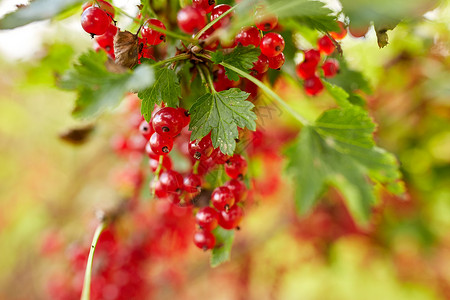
point(313, 85)
point(150, 152)
point(218, 157)
point(219, 10)
point(166, 163)
point(359, 30)
point(221, 81)
point(106, 40)
point(261, 65)
point(249, 36)
point(105, 6)
point(330, 67)
point(272, 44)
point(325, 45)
point(168, 121)
point(339, 35)
point(306, 69)
point(265, 21)
point(238, 188)
point(172, 181)
point(146, 129)
point(192, 183)
point(207, 218)
point(160, 144)
point(158, 189)
point(236, 166)
point(212, 44)
point(204, 240)
point(230, 219)
point(152, 36)
point(186, 119)
point(222, 198)
point(201, 149)
point(190, 19)
point(95, 21)
point(276, 62)
point(312, 56)
point(204, 5)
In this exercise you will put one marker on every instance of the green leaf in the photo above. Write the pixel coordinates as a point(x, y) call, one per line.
point(339, 150)
point(221, 114)
point(165, 89)
point(37, 10)
point(98, 89)
point(222, 250)
point(241, 58)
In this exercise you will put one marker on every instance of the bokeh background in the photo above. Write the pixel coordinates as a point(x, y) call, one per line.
point(50, 190)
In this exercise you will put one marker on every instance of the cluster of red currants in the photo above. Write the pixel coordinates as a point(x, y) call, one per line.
point(308, 68)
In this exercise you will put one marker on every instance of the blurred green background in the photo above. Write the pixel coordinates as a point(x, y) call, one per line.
point(51, 188)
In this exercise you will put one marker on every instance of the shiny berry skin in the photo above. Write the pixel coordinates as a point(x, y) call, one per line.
point(150, 152)
point(249, 36)
point(166, 163)
point(204, 5)
point(330, 67)
point(106, 40)
point(172, 181)
point(168, 121)
point(325, 45)
point(95, 21)
point(160, 144)
point(219, 10)
point(218, 157)
point(261, 65)
point(146, 129)
point(152, 36)
point(222, 198)
point(276, 62)
point(265, 21)
point(105, 6)
point(159, 190)
point(186, 117)
point(358, 31)
point(204, 240)
point(202, 149)
point(230, 219)
point(341, 33)
point(236, 166)
point(312, 56)
point(238, 188)
point(313, 85)
point(272, 44)
point(192, 183)
point(306, 69)
point(221, 81)
point(207, 218)
point(190, 19)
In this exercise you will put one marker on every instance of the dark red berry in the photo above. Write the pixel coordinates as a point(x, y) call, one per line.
point(204, 240)
point(204, 5)
point(218, 157)
point(207, 218)
point(330, 67)
point(325, 45)
point(306, 69)
point(339, 35)
point(230, 219)
point(272, 44)
point(221, 81)
point(186, 117)
point(160, 144)
point(276, 62)
point(249, 36)
point(166, 163)
point(219, 10)
point(192, 183)
point(190, 19)
point(236, 166)
point(313, 86)
point(168, 121)
point(265, 21)
point(152, 36)
point(105, 6)
point(238, 188)
point(261, 65)
point(312, 56)
point(201, 149)
point(95, 21)
point(159, 190)
point(106, 40)
point(172, 181)
point(212, 44)
point(146, 129)
point(150, 152)
point(222, 198)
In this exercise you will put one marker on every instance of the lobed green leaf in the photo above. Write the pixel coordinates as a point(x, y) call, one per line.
point(241, 58)
point(222, 251)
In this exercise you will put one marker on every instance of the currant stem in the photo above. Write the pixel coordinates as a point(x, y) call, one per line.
point(85, 295)
point(206, 78)
point(195, 167)
point(179, 57)
point(210, 24)
point(269, 92)
point(172, 34)
point(160, 165)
